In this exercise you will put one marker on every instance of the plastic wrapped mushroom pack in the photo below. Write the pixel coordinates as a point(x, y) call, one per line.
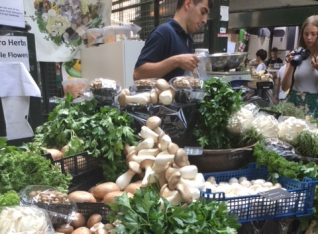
point(159, 91)
point(157, 158)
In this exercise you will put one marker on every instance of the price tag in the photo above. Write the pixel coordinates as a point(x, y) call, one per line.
point(275, 194)
point(191, 151)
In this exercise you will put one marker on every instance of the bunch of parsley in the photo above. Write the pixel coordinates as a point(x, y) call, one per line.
point(102, 131)
point(214, 112)
point(19, 169)
point(143, 214)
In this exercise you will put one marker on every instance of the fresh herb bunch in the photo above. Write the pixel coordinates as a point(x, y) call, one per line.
point(306, 144)
point(214, 112)
point(250, 137)
point(143, 214)
point(103, 132)
point(278, 165)
point(19, 169)
point(10, 198)
point(287, 109)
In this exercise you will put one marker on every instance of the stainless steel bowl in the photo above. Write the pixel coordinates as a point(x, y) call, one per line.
point(227, 61)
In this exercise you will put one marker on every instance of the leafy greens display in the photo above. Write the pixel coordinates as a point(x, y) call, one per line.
point(19, 169)
point(85, 127)
point(143, 214)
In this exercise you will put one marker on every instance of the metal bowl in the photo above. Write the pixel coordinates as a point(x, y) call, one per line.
point(227, 61)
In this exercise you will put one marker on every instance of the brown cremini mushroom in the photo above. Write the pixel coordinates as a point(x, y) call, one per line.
point(181, 158)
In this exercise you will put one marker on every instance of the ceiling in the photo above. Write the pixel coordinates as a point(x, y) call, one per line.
point(250, 5)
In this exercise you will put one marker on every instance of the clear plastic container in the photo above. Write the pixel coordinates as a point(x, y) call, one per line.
point(205, 65)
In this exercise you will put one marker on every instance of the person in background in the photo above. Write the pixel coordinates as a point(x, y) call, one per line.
point(168, 50)
point(278, 92)
point(273, 59)
point(260, 58)
point(304, 86)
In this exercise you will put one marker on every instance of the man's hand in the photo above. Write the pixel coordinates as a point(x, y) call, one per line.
point(187, 62)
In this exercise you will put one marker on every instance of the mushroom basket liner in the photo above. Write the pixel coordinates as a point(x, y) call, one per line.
point(76, 164)
point(254, 207)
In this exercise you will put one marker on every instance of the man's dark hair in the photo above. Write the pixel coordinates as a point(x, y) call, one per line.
point(274, 49)
point(262, 54)
point(195, 2)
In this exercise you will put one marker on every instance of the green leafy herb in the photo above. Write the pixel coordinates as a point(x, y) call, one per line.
point(287, 109)
point(293, 170)
point(10, 198)
point(214, 112)
point(19, 169)
point(250, 137)
point(144, 214)
point(306, 144)
point(85, 127)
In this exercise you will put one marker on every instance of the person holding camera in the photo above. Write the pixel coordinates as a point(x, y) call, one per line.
point(301, 75)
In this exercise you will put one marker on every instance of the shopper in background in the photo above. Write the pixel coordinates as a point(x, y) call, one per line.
point(304, 86)
point(261, 55)
point(278, 92)
point(273, 59)
point(168, 50)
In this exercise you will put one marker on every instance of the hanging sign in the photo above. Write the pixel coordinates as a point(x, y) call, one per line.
point(12, 13)
point(14, 49)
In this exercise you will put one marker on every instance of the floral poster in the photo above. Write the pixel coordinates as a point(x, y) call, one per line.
point(59, 26)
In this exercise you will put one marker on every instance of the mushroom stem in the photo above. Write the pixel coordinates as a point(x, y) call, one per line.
point(123, 180)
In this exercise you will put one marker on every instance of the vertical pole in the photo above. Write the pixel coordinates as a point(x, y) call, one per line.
point(156, 13)
point(217, 27)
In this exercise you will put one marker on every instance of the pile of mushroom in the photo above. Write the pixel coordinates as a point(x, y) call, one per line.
point(239, 187)
point(163, 94)
point(157, 158)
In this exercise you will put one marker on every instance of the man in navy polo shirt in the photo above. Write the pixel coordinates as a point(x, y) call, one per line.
point(168, 50)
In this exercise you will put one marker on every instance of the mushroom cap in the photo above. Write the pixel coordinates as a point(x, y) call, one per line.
point(135, 167)
point(181, 158)
point(166, 192)
point(153, 122)
point(185, 193)
point(174, 180)
point(132, 188)
point(146, 163)
point(172, 148)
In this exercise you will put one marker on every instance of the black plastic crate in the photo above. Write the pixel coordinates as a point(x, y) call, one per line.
point(86, 180)
point(87, 209)
point(77, 164)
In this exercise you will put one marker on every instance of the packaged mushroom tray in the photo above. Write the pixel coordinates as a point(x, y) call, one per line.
point(161, 93)
point(104, 90)
point(59, 206)
point(188, 89)
point(144, 85)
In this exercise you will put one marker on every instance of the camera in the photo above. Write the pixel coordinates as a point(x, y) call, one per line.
point(300, 54)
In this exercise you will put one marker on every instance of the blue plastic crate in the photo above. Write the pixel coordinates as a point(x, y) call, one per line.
point(254, 207)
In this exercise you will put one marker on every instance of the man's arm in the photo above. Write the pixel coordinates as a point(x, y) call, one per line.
point(158, 70)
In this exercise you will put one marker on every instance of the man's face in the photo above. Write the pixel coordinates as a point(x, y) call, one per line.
point(274, 55)
point(198, 15)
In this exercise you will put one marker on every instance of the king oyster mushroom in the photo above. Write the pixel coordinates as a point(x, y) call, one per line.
point(123, 180)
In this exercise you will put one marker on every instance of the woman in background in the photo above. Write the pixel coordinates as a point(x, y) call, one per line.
point(304, 85)
point(261, 55)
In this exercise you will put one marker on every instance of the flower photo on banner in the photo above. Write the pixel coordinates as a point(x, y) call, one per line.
point(60, 25)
